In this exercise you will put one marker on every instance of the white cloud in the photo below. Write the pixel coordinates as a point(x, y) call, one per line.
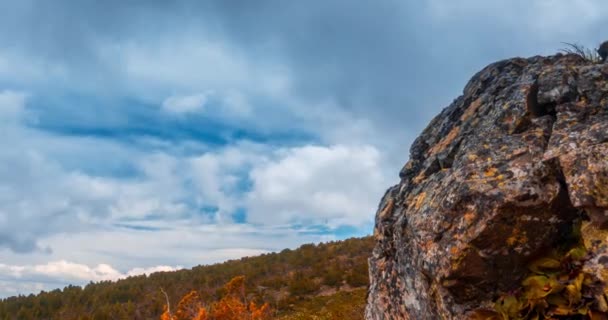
point(66, 270)
point(12, 288)
point(338, 184)
point(189, 63)
point(235, 104)
point(39, 197)
point(32, 278)
point(182, 62)
point(30, 70)
point(185, 104)
point(175, 243)
point(12, 106)
point(49, 199)
point(219, 176)
point(228, 105)
point(165, 242)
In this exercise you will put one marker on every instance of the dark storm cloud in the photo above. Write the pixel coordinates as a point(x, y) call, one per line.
point(396, 62)
point(69, 30)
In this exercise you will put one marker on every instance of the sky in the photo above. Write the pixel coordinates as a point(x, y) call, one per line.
point(142, 136)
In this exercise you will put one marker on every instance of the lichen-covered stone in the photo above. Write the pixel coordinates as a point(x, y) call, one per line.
point(495, 180)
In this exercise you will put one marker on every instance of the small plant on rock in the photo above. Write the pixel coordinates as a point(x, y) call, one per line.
point(590, 55)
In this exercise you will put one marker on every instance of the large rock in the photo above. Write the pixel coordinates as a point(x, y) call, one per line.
point(495, 180)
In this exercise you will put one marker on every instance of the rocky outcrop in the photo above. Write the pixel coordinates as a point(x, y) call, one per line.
point(496, 179)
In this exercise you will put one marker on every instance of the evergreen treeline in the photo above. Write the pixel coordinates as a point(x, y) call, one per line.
point(312, 277)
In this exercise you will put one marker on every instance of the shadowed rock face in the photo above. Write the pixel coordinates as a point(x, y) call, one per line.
point(496, 179)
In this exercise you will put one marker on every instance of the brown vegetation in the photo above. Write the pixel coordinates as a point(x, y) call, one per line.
point(233, 306)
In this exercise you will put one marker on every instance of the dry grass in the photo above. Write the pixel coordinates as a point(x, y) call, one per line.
point(590, 55)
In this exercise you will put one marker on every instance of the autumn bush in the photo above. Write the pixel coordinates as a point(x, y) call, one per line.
point(232, 306)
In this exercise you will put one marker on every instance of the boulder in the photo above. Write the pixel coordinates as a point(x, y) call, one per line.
point(497, 179)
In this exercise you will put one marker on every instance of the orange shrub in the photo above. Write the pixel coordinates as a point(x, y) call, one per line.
point(232, 306)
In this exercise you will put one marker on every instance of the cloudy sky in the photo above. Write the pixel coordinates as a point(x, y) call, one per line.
point(151, 135)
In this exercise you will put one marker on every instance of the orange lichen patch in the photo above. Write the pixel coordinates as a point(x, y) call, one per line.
point(449, 283)
point(454, 251)
point(509, 119)
point(469, 217)
point(595, 239)
point(428, 245)
point(471, 110)
point(592, 234)
point(419, 200)
point(390, 204)
point(472, 157)
point(377, 234)
point(511, 240)
point(473, 176)
point(490, 172)
point(419, 178)
point(446, 141)
point(409, 165)
point(458, 257)
point(517, 238)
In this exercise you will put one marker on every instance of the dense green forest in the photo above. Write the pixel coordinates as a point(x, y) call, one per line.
point(322, 281)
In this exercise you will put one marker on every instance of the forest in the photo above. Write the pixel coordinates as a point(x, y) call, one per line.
point(314, 281)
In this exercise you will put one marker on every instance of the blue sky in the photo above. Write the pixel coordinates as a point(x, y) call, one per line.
point(152, 135)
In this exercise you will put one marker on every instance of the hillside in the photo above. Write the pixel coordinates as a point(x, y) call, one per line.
point(328, 280)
